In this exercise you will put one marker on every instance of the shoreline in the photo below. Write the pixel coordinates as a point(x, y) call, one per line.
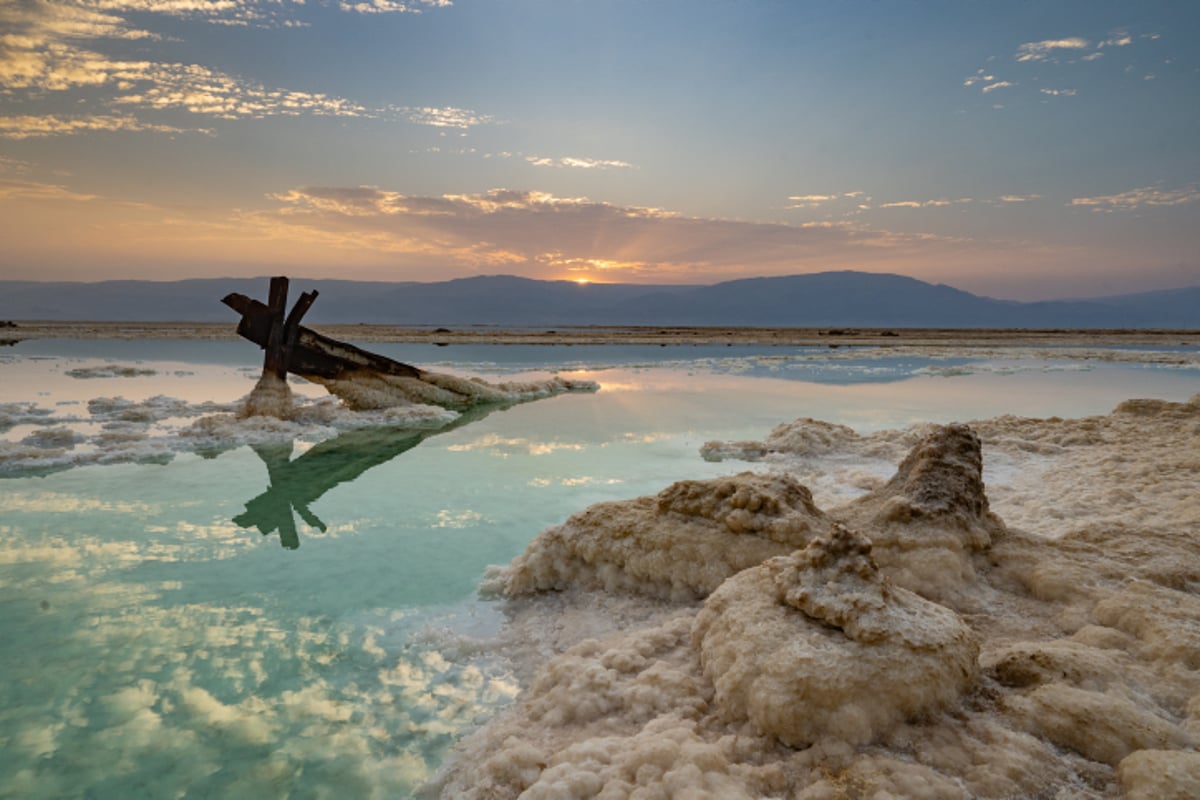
point(623, 335)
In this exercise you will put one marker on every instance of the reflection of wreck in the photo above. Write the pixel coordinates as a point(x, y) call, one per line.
point(297, 483)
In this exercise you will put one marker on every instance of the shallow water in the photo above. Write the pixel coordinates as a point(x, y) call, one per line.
point(158, 644)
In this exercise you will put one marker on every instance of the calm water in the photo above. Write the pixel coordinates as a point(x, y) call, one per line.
point(299, 618)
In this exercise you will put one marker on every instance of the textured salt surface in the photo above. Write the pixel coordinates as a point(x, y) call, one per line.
point(154, 429)
point(922, 640)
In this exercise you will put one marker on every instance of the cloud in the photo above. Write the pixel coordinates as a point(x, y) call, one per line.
point(447, 117)
point(29, 190)
point(31, 127)
point(1047, 49)
point(991, 87)
point(1146, 196)
point(1059, 92)
point(14, 166)
point(56, 48)
point(980, 76)
point(1118, 38)
point(990, 84)
point(1018, 198)
point(798, 201)
point(544, 235)
point(938, 203)
point(199, 90)
point(393, 6)
point(577, 163)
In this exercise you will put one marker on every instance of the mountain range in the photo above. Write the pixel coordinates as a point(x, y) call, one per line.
point(827, 299)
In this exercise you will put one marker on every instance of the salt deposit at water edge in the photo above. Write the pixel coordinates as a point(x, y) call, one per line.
point(931, 638)
point(154, 429)
point(365, 391)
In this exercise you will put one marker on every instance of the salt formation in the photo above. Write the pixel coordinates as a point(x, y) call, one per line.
point(819, 644)
point(270, 397)
point(364, 391)
point(1069, 667)
point(804, 436)
point(932, 516)
point(682, 543)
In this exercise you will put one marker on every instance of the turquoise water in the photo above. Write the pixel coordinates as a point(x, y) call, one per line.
point(299, 618)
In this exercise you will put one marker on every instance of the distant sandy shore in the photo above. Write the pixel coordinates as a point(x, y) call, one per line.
point(639, 335)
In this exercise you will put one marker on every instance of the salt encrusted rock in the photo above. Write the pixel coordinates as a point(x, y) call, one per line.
point(803, 437)
point(932, 515)
point(1101, 726)
point(940, 481)
point(819, 644)
point(1160, 775)
point(682, 543)
point(271, 397)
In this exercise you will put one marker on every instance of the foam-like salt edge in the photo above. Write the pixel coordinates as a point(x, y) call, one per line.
point(922, 640)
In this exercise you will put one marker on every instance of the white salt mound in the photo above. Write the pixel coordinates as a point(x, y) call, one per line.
point(906, 644)
point(270, 397)
point(819, 644)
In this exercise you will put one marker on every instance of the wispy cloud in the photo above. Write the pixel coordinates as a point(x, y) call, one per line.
point(980, 76)
point(547, 234)
point(56, 48)
point(991, 87)
point(1049, 49)
point(801, 201)
point(30, 127)
point(986, 81)
point(937, 203)
point(1018, 198)
point(1052, 49)
point(31, 190)
point(1118, 38)
point(447, 117)
point(14, 166)
point(1146, 196)
point(577, 163)
point(393, 6)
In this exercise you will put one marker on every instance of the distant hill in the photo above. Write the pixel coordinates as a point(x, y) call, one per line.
point(827, 299)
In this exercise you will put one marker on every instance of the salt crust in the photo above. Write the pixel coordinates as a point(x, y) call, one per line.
point(819, 644)
point(1086, 684)
point(149, 431)
point(682, 543)
point(368, 391)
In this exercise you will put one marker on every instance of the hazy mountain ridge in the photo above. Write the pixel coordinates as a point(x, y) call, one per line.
point(828, 299)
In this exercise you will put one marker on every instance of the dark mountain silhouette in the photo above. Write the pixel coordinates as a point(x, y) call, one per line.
point(827, 299)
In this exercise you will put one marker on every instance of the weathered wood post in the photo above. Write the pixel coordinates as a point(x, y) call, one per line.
point(273, 360)
point(283, 333)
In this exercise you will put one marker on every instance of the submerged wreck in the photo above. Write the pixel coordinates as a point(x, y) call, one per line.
point(361, 379)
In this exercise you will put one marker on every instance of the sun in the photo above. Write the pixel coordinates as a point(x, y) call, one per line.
point(582, 281)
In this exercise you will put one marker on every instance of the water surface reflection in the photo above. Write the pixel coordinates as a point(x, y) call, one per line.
point(295, 484)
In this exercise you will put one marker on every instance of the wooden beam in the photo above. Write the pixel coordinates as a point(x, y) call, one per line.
point(312, 354)
point(275, 359)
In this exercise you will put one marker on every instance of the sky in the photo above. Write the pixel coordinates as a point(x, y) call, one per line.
point(1020, 150)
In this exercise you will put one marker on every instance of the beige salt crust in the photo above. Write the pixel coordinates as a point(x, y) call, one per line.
point(367, 391)
point(907, 643)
